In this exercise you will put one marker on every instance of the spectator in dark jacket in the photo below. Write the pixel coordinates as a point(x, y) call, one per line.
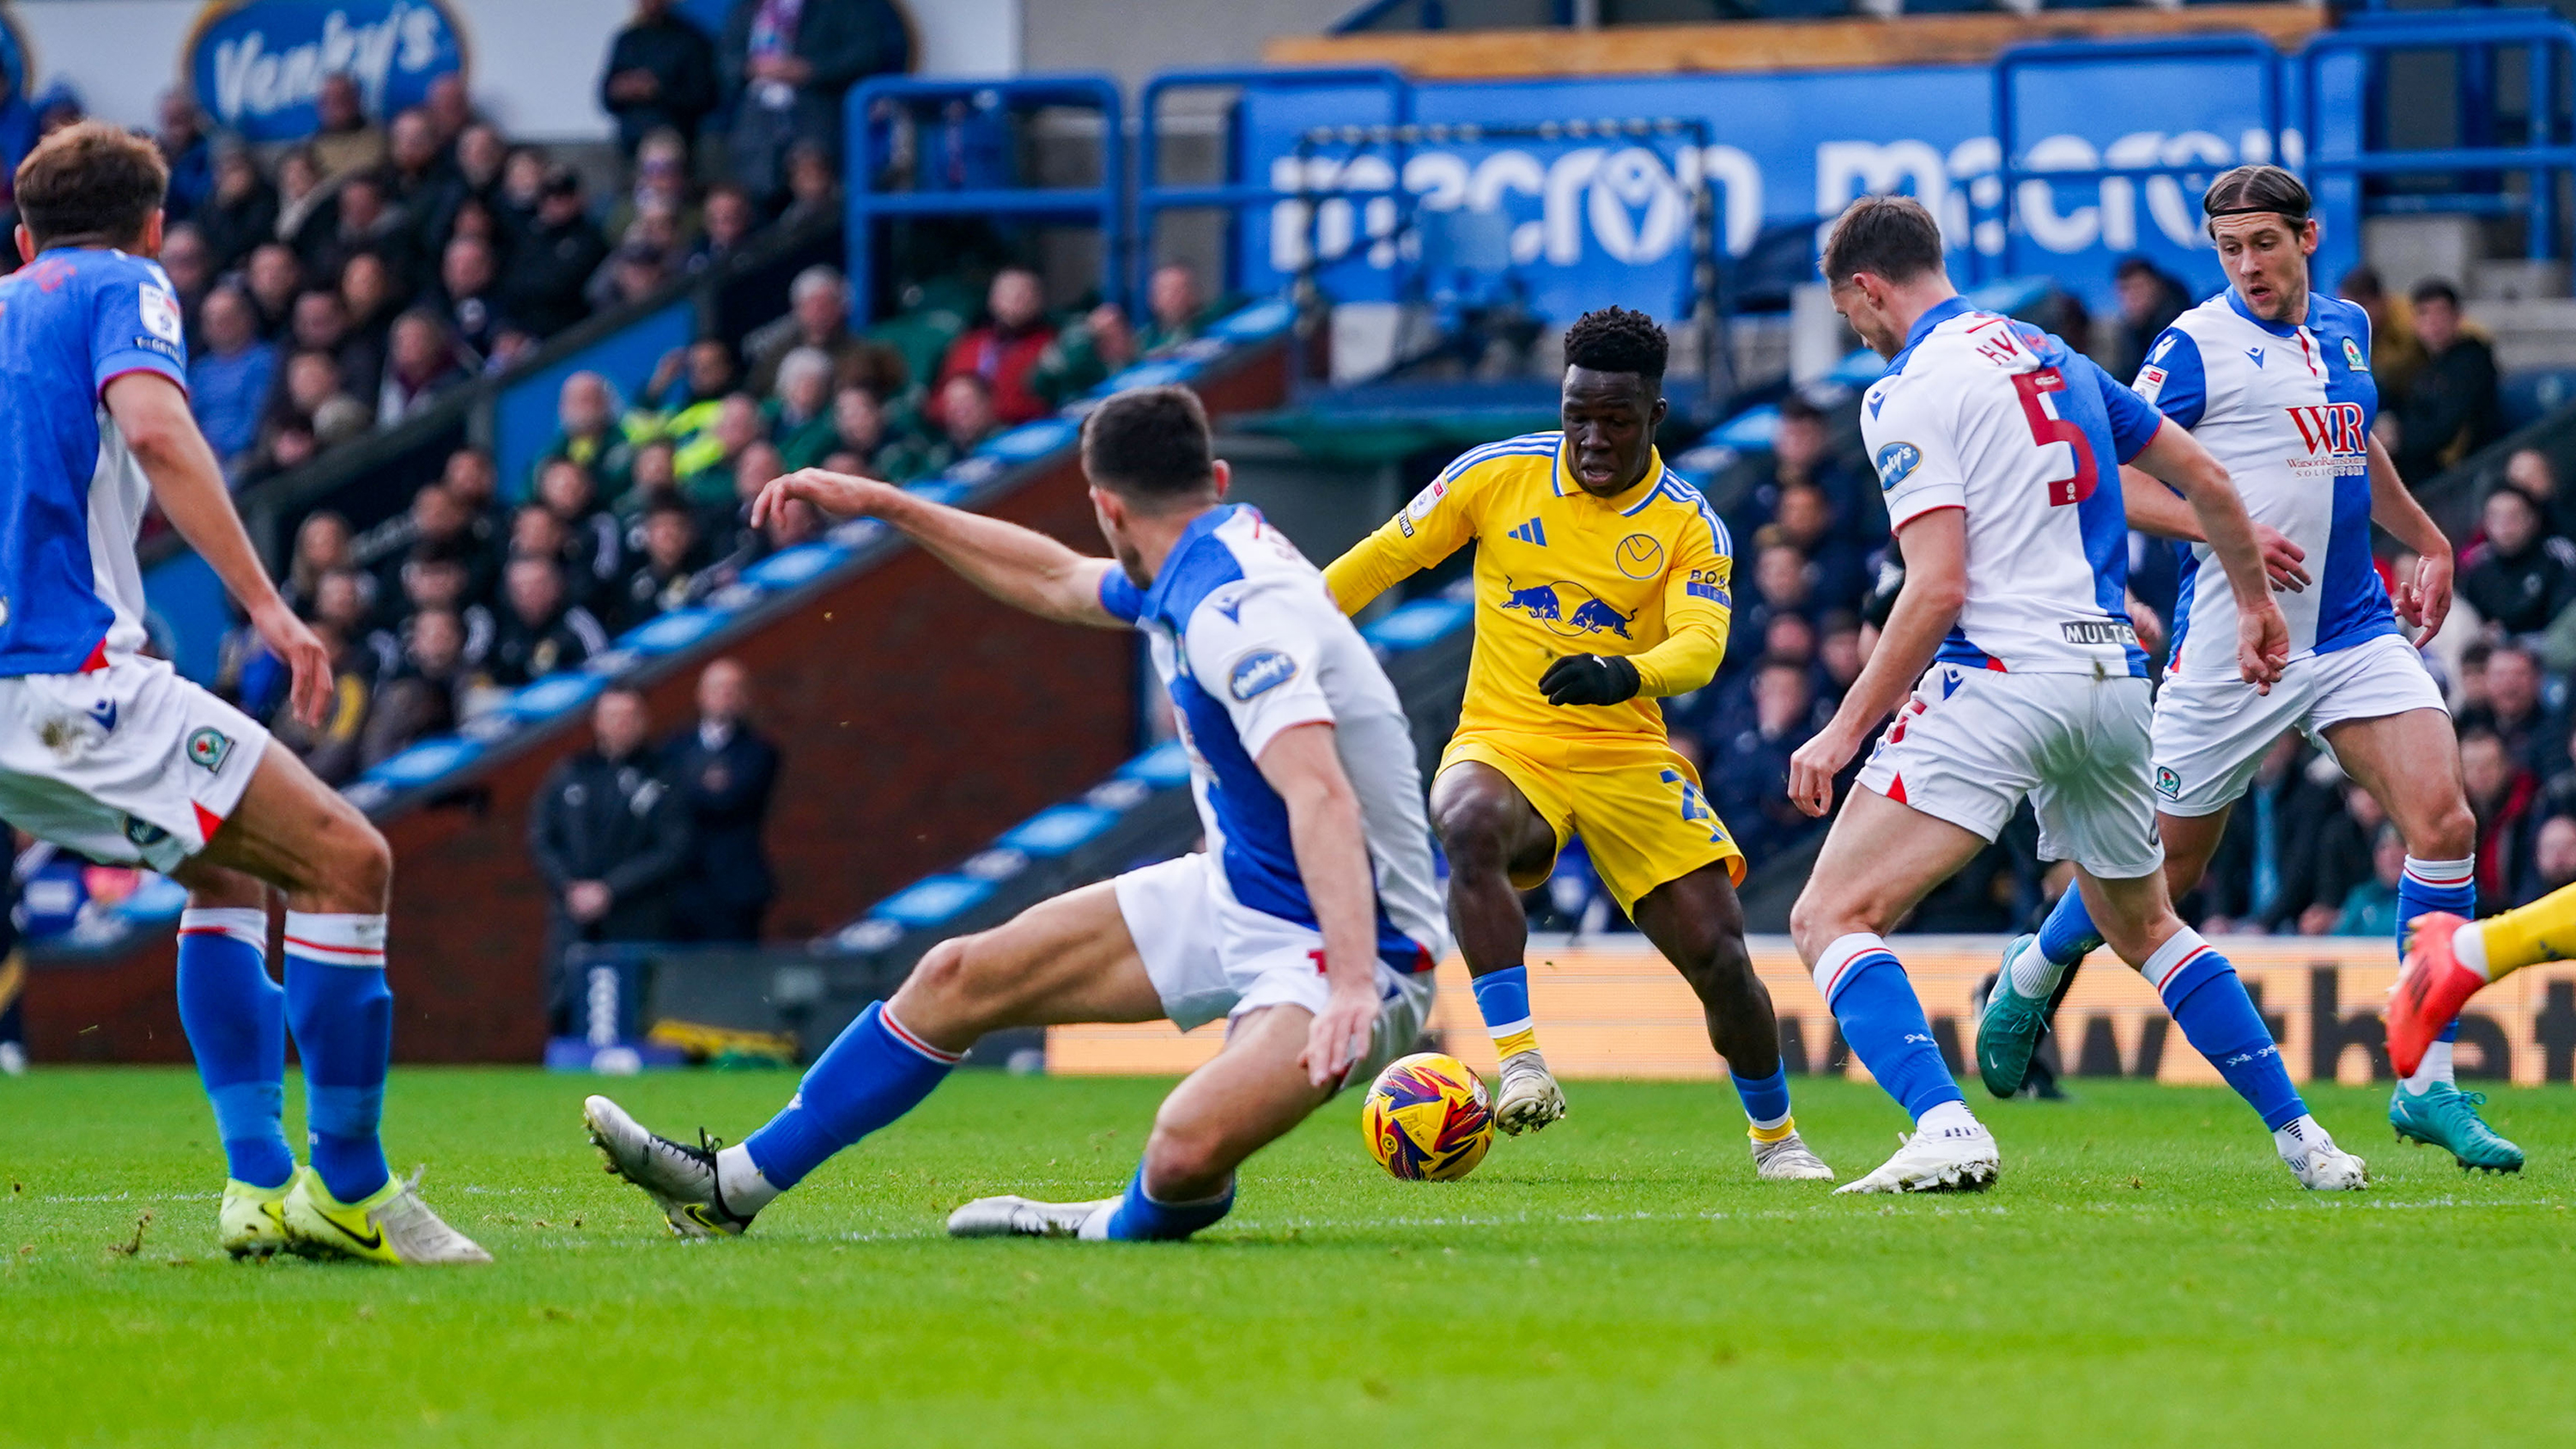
point(468, 292)
point(424, 695)
point(2518, 579)
point(661, 72)
point(668, 578)
point(2149, 302)
point(553, 262)
point(2264, 872)
point(724, 772)
point(541, 629)
point(2451, 407)
point(241, 211)
point(609, 839)
point(185, 149)
point(789, 62)
point(2501, 794)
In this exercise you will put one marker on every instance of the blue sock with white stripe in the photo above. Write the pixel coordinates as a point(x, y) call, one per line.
point(2067, 936)
point(2200, 988)
point(343, 1019)
point(1883, 1022)
point(1766, 1104)
point(873, 1072)
point(235, 1017)
point(2435, 885)
point(1142, 1218)
point(1502, 999)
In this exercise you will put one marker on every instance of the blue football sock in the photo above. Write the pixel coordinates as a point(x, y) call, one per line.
point(2067, 936)
point(1502, 999)
point(343, 1019)
point(2436, 885)
point(1883, 1022)
point(1766, 1100)
point(2208, 1002)
point(872, 1073)
point(1139, 1218)
point(235, 1018)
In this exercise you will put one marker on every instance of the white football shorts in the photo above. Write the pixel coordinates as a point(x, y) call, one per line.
point(1211, 956)
point(2211, 733)
point(1972, 743)
point(127, 764)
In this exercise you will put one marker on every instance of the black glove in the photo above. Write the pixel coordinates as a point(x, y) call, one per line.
point(1589, 679)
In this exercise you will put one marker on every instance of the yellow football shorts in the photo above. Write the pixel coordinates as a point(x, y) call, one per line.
point(1638, 807)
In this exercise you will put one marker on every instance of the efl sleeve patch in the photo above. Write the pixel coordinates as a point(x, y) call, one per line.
point(160, 314)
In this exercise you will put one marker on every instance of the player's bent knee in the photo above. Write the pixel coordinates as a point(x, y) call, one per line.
point(2454, 835)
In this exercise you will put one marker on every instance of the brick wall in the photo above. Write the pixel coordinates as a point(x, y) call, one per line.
point(918, 719)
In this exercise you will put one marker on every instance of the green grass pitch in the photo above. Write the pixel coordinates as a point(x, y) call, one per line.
point(2146, 1273)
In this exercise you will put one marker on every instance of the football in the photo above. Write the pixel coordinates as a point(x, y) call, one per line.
point(1427, 1118)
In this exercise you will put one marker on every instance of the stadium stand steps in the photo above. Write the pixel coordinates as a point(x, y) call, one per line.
point(874, 796)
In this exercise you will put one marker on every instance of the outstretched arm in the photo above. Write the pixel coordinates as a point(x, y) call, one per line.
point(2262, 635)
point(1019, 566)
point(151, 414)
point(2159, 512)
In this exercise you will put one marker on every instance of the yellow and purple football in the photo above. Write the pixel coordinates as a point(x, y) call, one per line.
point(1427, 1118)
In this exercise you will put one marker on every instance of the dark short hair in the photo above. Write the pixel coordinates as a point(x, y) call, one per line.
point(91, 184)
point(2259, 187)
point(2132, 265)
point(2362, 282)
point(1893, 237)
point(662, 503)
point(1795, 408)
point(1149, 445)
point(1614, 339)
point(2434, 289)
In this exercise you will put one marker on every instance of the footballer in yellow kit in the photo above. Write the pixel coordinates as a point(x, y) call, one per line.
point(1602, 586)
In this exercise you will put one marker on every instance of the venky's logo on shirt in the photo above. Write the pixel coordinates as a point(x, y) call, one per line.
point(1895, 461)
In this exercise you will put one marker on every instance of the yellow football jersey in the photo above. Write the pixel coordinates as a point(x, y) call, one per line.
point(1558, 571)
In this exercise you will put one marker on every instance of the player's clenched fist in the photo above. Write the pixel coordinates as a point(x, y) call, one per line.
point(842, 495)
point(1589, 679)
point(1813, 767)
point(2262, 644)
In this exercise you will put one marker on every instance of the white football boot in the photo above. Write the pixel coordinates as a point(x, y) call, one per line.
point(2309, 1151)
point(1943, 1159)
point(1020, 1217)
point(1789, 1160)
point(1529, 1097)
point(680, 1179)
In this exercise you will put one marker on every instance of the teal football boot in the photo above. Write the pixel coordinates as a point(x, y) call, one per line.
point(2009, 1031)
point(2447, 1117)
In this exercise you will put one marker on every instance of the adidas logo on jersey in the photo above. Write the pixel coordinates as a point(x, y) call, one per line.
point(1531, 532)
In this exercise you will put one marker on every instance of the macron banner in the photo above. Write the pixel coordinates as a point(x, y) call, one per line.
point(1613, 1008)
point(1589, 220)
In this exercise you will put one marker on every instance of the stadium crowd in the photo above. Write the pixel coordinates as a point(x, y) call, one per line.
point(340, 283)
point(2306, 852)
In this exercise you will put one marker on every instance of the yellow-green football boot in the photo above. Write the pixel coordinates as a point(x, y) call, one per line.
point(252, 1221)
point(390, 1226)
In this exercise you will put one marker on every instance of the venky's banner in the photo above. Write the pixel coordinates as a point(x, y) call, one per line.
point(1613, 1008)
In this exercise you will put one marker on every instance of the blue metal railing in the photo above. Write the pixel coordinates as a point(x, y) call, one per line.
point(2068, 54)
point(1102, 204)
point(2548, 39)
point(1153, 197)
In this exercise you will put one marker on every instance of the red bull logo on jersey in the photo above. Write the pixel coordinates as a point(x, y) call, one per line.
point(1569, 610)
point(2336, 436)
